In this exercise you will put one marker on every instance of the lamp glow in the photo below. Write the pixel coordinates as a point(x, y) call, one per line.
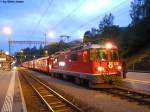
point(14, 67)
point(7, 30)
point(7, 53)
point(61, 63)
point(100, 69)
point(108, 45)
point(50, 34)
point(119, 67)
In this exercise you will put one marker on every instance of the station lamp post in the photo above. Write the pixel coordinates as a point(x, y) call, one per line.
point(21, 57)
point(48, 35)
point(7, 31)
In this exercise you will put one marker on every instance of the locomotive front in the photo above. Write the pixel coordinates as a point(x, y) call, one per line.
point(106, 63)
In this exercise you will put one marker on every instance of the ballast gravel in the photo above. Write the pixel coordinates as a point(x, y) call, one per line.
point(92, 100)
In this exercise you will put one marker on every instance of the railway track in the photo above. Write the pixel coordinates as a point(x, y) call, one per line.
point(52, 100)
point(141, 97)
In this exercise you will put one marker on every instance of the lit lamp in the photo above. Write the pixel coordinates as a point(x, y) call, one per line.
point(7, 53)
point(21, 51)
point(46, 52)
point(7, 31)
point(108, 45)
point(49, 34)
point(81, 38)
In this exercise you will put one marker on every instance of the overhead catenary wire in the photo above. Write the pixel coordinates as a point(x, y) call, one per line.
point(93, 19)
point(70, 14)
point(42, 16)
point(33, 19)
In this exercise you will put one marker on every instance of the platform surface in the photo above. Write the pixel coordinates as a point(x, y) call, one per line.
point(11, 97)
point(138, 81)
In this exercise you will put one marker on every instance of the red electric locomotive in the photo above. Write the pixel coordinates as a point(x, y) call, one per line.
point(92, 64)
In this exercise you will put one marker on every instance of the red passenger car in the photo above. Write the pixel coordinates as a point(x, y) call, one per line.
point(31, 64)
point(25, 64)
point(43, 64)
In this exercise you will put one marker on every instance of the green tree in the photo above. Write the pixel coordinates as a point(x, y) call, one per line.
point(106, 22)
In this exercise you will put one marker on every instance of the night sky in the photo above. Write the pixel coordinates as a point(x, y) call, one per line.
point(30, 19)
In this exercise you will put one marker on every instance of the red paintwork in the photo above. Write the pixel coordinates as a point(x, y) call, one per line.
point(84, 64)
point(61, 62)
point(42, 64)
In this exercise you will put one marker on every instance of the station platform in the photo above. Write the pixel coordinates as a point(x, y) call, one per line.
point(138, 80)
point(11, 97)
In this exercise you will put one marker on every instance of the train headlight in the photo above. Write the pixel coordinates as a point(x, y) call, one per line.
point(100, 69)
point(119, 67)
point(62, 63)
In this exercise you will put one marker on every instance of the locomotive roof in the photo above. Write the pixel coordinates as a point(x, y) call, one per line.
point(83, 47)
point(98, 46)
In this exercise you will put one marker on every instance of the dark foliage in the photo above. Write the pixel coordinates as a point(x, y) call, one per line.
point(130, 39)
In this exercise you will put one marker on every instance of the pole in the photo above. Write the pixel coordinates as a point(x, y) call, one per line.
point(9, 42)
point(45, 39)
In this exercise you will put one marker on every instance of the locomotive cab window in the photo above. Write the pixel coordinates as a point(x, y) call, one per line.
point(114, 55)
point(98, 54)
point(102, 55)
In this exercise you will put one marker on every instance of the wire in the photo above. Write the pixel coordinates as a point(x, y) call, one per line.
point(39, 21)
point(33, 19)
point(89, 22)
point(70, 14)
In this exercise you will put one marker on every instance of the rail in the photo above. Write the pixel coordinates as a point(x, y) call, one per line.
point(139, 96)
point(54, 101)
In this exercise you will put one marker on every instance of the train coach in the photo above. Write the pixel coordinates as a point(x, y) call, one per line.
point(86, 64)
point(43, 64)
